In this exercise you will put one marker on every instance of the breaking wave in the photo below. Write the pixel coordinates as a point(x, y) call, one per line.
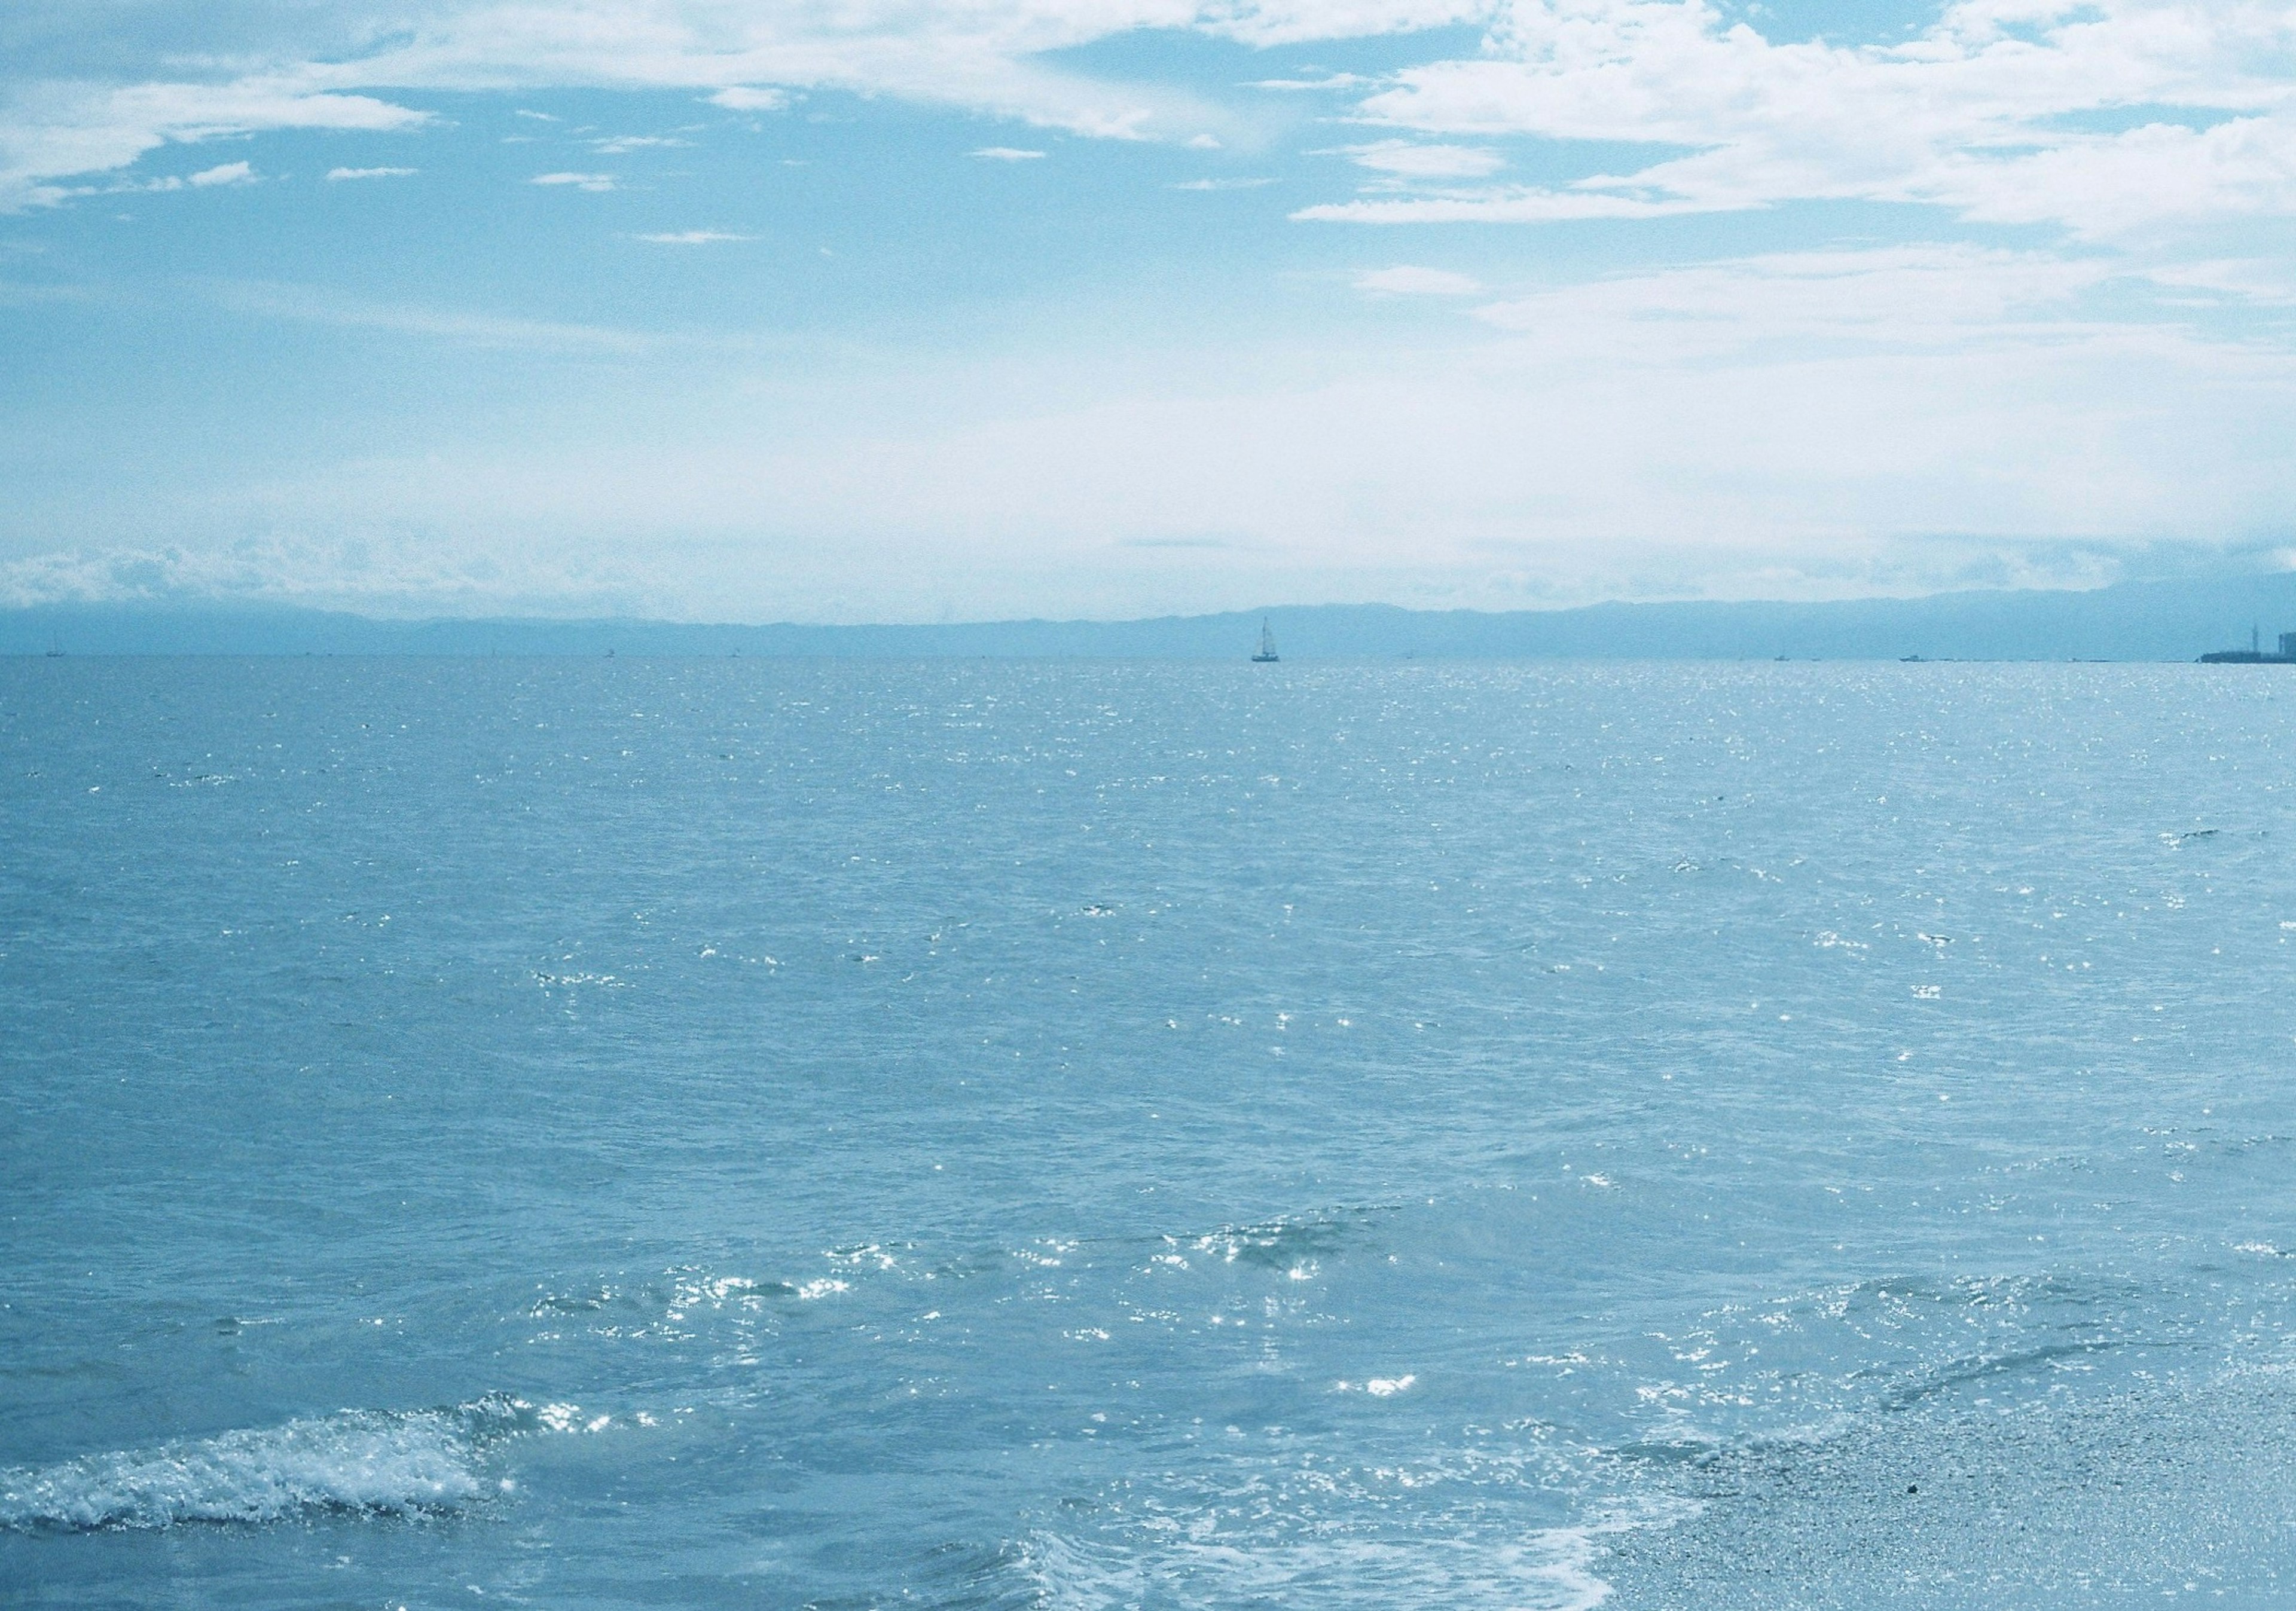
point(365, 1461)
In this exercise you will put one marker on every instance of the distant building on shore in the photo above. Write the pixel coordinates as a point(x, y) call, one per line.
point(2254, 655)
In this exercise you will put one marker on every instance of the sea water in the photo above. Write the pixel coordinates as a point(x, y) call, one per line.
point(729, 1133)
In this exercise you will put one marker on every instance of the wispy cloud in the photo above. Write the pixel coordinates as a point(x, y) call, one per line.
point(1504, 206)
point(1407, 159)
point(538, 117)
point(319, 306)
point(338, 174)
point(223, 173)
point(694, 237)
point(1332, 81)
point(1927, 295)
point(579, 181)
point(1006, 153)
point(305, 305)
point(1407, 281)
point(619, 143)
point(1221, 183)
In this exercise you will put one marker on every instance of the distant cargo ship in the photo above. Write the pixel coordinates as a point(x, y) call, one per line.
point(2253, 654)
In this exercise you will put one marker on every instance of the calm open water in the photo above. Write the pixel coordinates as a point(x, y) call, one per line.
point(698, 1134)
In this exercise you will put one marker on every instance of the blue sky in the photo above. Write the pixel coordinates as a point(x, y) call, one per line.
point(932, 311)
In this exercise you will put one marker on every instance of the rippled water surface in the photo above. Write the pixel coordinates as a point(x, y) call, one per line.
point(1093, 1135)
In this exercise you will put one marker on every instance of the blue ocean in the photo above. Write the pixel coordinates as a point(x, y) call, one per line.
point(1486, 1137)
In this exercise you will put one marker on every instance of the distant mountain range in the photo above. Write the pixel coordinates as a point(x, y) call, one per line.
point(2173, 620)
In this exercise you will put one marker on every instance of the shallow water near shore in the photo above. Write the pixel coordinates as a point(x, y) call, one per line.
point(597, 1133)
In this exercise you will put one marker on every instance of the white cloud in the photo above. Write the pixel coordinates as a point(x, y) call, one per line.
point(1405, 281)
point(339, 174)
point(694, 237)
point(743, 98)
point(620, 143)
point(1000, 60)
point(1006, 153)
point(52, 131)
point(223, 173)
point(1235, 183)
point(538, 117)
point(579, 181)
point(1331, 81)
point(1999, 112)
point(1410, 160)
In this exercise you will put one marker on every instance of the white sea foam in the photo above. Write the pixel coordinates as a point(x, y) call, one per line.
point(362, 1460)
point(1553, 1569)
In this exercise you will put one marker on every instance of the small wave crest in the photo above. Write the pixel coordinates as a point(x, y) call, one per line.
point(367, 1461)
point(1285, 1245)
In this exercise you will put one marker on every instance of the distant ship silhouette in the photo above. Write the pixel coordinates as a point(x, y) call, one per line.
point(1267, 655)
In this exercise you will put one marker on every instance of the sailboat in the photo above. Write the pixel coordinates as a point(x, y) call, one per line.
point(1267, 655)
